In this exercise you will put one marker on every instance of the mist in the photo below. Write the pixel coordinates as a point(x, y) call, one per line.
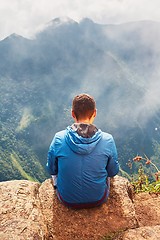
point(117, 64)
point(125, 82)
point(27, 17)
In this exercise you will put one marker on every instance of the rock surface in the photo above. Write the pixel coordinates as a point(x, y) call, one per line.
point(64, 223)
point(147, 207)
point(143, 233)
point(29, 210)
point(20, 211)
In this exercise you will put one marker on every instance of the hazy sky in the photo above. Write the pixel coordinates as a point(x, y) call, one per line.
point(25, 17)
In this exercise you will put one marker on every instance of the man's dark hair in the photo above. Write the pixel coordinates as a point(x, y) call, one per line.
point(83, 106)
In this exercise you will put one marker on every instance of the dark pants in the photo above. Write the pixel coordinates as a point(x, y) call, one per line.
point(87, 205)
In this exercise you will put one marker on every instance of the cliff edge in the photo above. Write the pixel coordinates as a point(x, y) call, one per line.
point(29, 210)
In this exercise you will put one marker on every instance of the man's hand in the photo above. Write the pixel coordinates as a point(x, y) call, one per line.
point(54, 179)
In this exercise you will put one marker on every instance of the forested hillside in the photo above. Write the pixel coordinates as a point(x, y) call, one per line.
point(117, 64)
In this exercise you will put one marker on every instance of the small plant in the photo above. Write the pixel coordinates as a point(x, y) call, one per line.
point(140, 181)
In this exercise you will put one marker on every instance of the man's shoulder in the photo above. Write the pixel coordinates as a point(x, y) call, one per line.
point(107, 136)
point(60, 134)
point(58, 138)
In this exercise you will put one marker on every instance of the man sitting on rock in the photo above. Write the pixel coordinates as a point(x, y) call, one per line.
point(81, 158)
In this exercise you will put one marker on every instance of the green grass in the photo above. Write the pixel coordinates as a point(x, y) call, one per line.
point(15, 162)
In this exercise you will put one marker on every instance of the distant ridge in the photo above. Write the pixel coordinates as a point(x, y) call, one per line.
point(117, 64)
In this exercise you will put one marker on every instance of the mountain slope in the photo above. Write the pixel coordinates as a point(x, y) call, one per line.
point(117, 64)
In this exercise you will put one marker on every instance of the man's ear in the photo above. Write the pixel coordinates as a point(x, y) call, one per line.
point(73, 114)
point(95, 113)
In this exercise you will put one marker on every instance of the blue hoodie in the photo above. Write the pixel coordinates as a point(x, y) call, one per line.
point(82, 157)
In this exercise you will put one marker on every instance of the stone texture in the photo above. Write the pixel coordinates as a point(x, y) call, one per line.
point(147, 210)
point(143, 233)
point(30, 210)
point(147, 207)
point(20, 211)
point(67, 224)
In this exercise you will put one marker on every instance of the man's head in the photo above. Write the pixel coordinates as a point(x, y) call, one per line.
point(83, 108)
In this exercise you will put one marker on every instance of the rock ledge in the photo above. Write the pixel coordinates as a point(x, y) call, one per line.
point(29, 210)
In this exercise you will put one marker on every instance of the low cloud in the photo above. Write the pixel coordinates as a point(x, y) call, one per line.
point(26, 17)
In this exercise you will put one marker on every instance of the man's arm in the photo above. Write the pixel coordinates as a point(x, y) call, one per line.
point(113, 165)
point(54, 179)
point(52, 161)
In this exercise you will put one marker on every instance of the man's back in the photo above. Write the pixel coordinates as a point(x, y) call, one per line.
point(86, 157)
point(82, 158)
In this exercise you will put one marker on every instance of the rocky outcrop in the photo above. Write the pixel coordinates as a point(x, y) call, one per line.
point(20, 211)
point(117, 213)
point(147, 209)
point(143, 233)
point(29, 210)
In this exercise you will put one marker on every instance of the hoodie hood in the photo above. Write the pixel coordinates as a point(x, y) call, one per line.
point(82, 138)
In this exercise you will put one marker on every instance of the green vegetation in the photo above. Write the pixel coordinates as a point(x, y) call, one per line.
point(147, 179)
point(39, 77)
point(15, 162)
point(18, 159)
